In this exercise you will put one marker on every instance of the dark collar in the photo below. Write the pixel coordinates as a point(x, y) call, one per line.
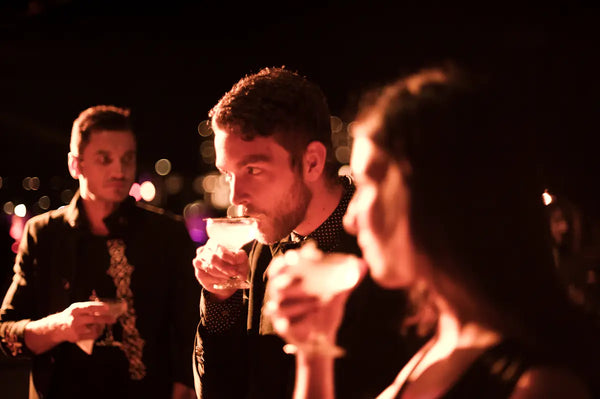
point(327, 234)
point(117, 222)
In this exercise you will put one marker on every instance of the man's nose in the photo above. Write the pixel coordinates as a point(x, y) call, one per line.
point(119, 168)
point(238, 194)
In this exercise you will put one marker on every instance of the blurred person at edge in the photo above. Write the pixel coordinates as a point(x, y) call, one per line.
point(273, 142)
point(448, 203)
point(575, 250)
point(103, 245)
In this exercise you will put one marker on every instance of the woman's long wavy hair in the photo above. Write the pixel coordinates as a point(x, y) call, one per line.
point(476, 208)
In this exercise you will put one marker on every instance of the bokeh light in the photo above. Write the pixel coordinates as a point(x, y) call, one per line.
point(44, 202)
point(350, 128)
point(204, 128)
point(174, 184)
point(66, 196)
point(547, 198)
point(342, 154)
point(194, 214)
point(8, 208)
point(25, 183)
point(21, 210)
point(135, 191)
point(235, 210)
point(17, 225)
point(219, 197)
point(147, 191)
point(162, 167)
point(198, 185)
point(209, 182)
point(34, 183)
point(336, 124)
point(207, 151)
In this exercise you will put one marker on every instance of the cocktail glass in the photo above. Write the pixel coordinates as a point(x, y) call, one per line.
point(325, 276)
point(116, 307)
point(232, 233)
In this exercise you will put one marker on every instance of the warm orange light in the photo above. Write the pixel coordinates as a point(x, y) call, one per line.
point(547, 198)
point(148, 191)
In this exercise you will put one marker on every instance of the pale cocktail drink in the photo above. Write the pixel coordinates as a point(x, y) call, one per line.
point(333, 274)
point(232, 233)
point(323, 275)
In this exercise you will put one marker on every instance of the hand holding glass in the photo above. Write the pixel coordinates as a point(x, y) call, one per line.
point(116, 308)
point(232, 233)
point(324, 276)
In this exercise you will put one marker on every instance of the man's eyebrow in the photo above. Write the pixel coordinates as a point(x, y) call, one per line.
point(106, 153)
point(253, 158)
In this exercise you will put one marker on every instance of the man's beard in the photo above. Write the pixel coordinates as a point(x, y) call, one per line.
point(281, 220)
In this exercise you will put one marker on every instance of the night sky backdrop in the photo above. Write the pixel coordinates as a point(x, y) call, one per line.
point(170, 62)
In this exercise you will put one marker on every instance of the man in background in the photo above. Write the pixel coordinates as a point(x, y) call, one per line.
point(100, 249)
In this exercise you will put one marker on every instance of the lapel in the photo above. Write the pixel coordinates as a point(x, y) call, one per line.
point(64, 264)
point(260, 257)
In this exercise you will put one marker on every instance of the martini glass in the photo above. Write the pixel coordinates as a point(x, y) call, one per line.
point(324, 276)
point(232, 233)
point(116, 307)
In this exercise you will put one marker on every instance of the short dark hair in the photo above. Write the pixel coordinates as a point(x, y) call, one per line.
point(281, 103)
point(99, 117)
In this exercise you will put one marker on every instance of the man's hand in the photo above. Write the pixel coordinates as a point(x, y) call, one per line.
point(216, 264)
point(80, 321)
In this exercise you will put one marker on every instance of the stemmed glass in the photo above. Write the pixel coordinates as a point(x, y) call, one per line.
point(325, 276)
point(232, 232)
point(116, 307)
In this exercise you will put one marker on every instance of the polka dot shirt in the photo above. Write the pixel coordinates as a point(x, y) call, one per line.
point(218, 317)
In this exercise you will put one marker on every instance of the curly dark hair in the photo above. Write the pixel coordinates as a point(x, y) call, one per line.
point(280, 103)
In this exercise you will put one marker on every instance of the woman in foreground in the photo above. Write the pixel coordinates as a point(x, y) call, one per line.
point(448, 204)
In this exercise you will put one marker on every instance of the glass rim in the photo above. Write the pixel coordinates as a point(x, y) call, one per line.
point(230, 219)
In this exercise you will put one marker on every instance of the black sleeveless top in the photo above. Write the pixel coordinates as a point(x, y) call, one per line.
point(493, 375)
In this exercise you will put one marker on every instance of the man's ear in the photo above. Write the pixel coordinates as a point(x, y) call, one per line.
point(313, 161)
point(74, 165)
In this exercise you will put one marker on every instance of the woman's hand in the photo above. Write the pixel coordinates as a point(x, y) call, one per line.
point(296, 313)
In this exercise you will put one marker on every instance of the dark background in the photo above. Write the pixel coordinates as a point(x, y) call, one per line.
point(170, 62)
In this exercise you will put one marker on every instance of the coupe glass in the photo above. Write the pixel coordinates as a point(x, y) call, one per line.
point(323, 275)
point(117, 307)
point(232, 233)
